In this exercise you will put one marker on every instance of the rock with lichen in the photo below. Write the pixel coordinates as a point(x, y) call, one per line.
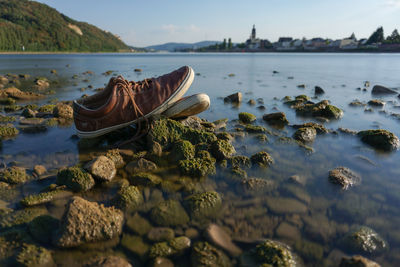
point(262, 159)
point(169, 213)
point(204, 205)
point(170, 248)
point(128, 198)
point(364, 240)
point(274, 253)
point(75, 178)
point(14, 175)
point(101, 168)
point(204, 254)
point(140, 165)
point(85, 222)
point(306, 134)
point(20, 217)
point(320, 109)
point(202, 165)
point(240, 161)
point(44, 197)
point(380, 139)
point(255, 128)
point(116, 157)
point(8, 131)
point(344, 177)
point(145, 179)
point(182, 150)
point(63, 111)
point(247, 117)
point(221, 149)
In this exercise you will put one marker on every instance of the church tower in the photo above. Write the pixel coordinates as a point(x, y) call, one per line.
point(253, 33)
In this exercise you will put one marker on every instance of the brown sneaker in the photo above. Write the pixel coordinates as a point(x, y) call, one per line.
point(188, 106)
point(124, 102)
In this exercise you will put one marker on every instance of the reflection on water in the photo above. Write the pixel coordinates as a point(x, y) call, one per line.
point(300, 207)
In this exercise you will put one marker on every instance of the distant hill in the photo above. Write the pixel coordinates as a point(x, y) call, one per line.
point(38, 27)
point(179, 46)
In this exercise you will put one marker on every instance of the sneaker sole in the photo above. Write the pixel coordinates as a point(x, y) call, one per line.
point(187, 82)
point(190, 106)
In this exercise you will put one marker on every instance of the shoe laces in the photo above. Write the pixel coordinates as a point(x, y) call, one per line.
point(131, 88)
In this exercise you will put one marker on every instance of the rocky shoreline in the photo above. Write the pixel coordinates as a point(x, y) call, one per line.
point(183, 195)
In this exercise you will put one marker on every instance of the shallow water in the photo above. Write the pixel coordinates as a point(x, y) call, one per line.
point(375, 202)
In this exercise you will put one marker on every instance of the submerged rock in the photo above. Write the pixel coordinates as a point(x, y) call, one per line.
point(345, 177)
point(262, 159)
point(380, 139)
point(85, 222)
point(141, 165)
point(102, 168)
point(364, 240)
point(277, 118)
point(274, 253)
point(204, 205)
point(318, 127)
point(257, 185)
point(167, 249)
point(20, 217)
point(204, 254)
point(138, 224)
point(75, 179)
point(254, 129)
point(306, 134)
point(219, 237)
point(169, 213)
point(7, 131)
point(14, 175)
point(128, 198)
point(221, 149)
point(145, 179)
point(357, 261)
point(134, 244)
point(18, 94)
point(240, 161)
point(43, 227)
point(235, 98)
point(45, 197)
point(381, 90)
point(202, 165)
point(246, 117)
point(107, 261)
point(160, 234)
point(34, 256)
point(281, 205)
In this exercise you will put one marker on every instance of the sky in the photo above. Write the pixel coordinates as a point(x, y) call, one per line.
point(142, 23)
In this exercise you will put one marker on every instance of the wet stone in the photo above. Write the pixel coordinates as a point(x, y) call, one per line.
point(39, 170)
point(288, 231)
point(43, 227)
point(240, 161)
point(128, 198)
point(306, 134)
point(204, 254)
point(234, 98)
point(222, 149)
point(170, 248)
point(278, 118)
point(14, 175)
point(85, 222)
point(364, 240)
point(145, 179)
point(116, 157)
point(246, 117)
point(34, 256)
point(169, 213)
point(310, 251)
point(344, 177)
point(280, 205)
point(381, 90)
point(376, 103)
point(160, 234)
point(75, 179)
point(357, 261)
point(204, 205)
point(257, 185)
point(138, 225)
point(274, 253)
point(162, 262)
point(63, 111)
point(135, 245)
point(8, 131)
point(102, 168)
point(219, 237)
point(380, 139)
point(262, 159)
point(141, 165)
point(107, 261)
point(318, 90)
point(182, 150)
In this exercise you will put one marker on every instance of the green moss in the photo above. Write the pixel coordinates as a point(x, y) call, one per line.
point(42, 228)
point(41, 198)
point(202, 165)
point(51, 122)
point(34, 256)
point(380, 139)
point(75, 178)
point(21, 217)
point(14, 175)
point(169, 213)
point(166, 132)
point(7, 101)
point(5, 119)
point(31, 106)
point(364, 240)
point(274, 253)
point(116, 157)
point(128, 198)
point(262, 137)
point(225, 136)
point(320, 109)
point(145, 179)
point(255, 129)
point(246, 117)
point(47, 108)
point(204, 205)
point(262, 159)
point(8, 131)
point(236, 174)
point(221, 149)
point(170, 248)
point(12, 108)
point(302, 97)
point(204, 254)
point(240, 161)
point(182, 150)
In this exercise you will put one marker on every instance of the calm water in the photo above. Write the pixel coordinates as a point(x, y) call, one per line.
point(374, 203)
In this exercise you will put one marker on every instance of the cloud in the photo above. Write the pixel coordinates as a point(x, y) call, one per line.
point(393, 3)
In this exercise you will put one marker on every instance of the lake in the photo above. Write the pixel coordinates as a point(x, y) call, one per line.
point(315, 232)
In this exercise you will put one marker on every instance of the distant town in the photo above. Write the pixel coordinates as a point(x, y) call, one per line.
point(375, 43)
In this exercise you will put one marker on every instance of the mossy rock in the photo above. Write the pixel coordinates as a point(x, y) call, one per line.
point(204, 254)
point(320, 109)
point(262, 159)
point(240, 161)
point(12, 108)
point(204, 205)
point(21, 217)
point(145, 179)
point(169, 213)
point(167, 131)
point(225, 136)
point(116, 157)
point(255, 129)
point(8, 131)
point(306, 134)
point(128, 198)
point(277, 118)
point(7, 101)
point(318, 127)
point(221, 150)
point(182, 150)
point(34, 256)
point(380, 139)
point(75, 178)
point(235, 174)
point(7, 119)
point(138, 224)
point(364, 240)
point(170, 248)
point(43, 227)
point(41, 198)
point(135, 245)
point(274, 253)
point(14, 175)
point(246, 117)
point(198, 167)
point(47, 108)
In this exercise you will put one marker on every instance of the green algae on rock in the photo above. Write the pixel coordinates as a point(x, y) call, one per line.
point(262, 159)
point(167, 131)
point(34, 256)
point(240, 161)
point(221, 149)
point(128, 198)
point(204, 254)
point(8, 131)
point(41, 198)
point(170, 248)
point(320, 109)
point(182, 150)
point(380, 139)
point(204, 205)
point(277, 118)
point(116, 157)
point(63, 111)
point(344, 176)
point(246, 117)
point(274, 253)
point(20, 217)
point(47, 108)
point(42, 228)
point(306, 134)
point(75, 178)
point(318, 127)
point(145, 179)
point(160, 234)
point(364, 240)
point(255, 129)
point(169, 213)
point(202, 165)
point(85, 222)
point(14, 175)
